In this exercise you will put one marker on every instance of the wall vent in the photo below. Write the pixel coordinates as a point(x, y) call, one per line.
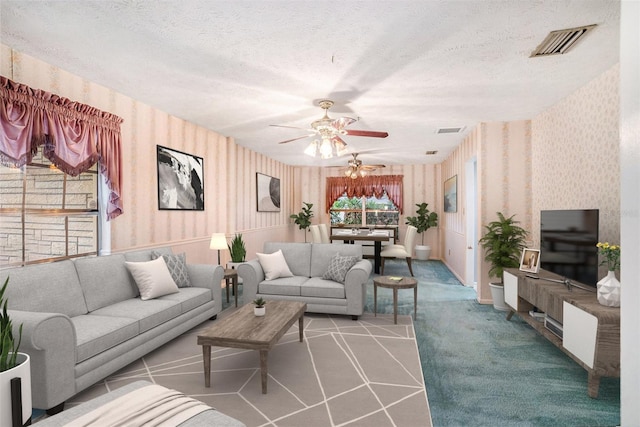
point(431, 153)
point(560, 41)
point(449, 130)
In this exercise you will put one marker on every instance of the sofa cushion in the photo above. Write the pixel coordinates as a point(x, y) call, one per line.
point(321, 256)
point(320, 288)
point(274, 265)
point(152, 278)
point(177, 265)
point(189, 298)
point(95, 334)
point(46, 288)
point(338, 267)
point(282, 286)
point(298, 256)
point(149, 314)
point(105, 280)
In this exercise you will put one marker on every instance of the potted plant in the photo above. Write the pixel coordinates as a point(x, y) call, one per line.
point(423, 220)
point(503, 243)
point(237, 250)
point(259, 309)
point(12, 365)
point(303, 218)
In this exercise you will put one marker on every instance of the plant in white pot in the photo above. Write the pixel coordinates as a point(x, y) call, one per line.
point(237, 250)
point(12, 365)
point(423, 220)
point(259, 309)
point(503, 243)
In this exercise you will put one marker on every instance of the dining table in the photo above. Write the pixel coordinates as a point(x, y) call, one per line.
point(375, 236)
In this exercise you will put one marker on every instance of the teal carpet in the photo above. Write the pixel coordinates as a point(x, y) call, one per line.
point(482, 370)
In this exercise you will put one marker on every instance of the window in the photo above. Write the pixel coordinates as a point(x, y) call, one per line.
point(364, 211)
point(46, 214)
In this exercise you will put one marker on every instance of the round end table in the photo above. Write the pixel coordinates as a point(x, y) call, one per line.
point(403, 283)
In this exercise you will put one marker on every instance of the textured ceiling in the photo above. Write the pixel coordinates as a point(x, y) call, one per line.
point(405, 67)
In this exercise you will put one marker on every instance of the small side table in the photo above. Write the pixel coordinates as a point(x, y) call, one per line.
point(231, 278)
point(405, 283)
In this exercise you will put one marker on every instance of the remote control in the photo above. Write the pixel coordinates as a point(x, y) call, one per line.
point(532, 276)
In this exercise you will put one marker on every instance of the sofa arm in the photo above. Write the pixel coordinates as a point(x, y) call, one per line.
point(210, 277)
point(251, 273)
point(50, 341)
point(355, 286)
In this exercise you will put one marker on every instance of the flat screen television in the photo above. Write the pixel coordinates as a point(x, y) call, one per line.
point(568, 241)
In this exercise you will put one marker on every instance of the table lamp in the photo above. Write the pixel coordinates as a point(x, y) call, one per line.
point(219, 242)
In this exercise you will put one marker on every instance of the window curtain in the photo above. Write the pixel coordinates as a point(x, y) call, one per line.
point(74, 136)
point(368, 186)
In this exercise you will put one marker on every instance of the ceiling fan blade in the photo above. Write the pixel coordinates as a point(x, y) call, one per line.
point(295, 139)
point(372, 167)
point(290, 127)
point(369, 133)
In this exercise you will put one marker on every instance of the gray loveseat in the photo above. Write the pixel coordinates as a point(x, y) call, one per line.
point(308, 262)
point(83, 319)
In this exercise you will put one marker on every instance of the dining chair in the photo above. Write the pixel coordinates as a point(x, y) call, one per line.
point(324, 233)
point(315, 234)
point(401, 251)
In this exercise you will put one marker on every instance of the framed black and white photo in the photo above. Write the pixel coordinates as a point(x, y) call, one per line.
point(268, 193)
point(180, 180)
point(530, 260)
point(451, 194)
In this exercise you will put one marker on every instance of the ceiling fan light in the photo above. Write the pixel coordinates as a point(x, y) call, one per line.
point(348, 172)
point(326, 150)
point(312, 149)
point(363, 173)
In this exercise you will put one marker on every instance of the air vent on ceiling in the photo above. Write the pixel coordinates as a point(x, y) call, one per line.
point(449, 130)
point(431, 153)
point(560, 41)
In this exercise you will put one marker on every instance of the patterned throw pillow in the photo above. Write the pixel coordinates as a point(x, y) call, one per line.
point(177, 265)
point(338, 267)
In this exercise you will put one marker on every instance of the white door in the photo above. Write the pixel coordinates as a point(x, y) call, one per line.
point(471, 210)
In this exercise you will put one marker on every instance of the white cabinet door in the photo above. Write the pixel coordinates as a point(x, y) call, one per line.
point(511, 290)
point(579, 331)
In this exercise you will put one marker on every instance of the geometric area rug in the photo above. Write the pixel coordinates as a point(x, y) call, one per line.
point(344, 373)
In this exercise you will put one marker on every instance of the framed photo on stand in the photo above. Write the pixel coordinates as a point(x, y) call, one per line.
point(530, 260)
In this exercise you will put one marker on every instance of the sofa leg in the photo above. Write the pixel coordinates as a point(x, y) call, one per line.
point(214, 317)
point(55, 410)
point(354, 317)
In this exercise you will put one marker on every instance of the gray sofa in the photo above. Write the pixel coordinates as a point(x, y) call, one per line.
point(83, 319)
point(308, 262)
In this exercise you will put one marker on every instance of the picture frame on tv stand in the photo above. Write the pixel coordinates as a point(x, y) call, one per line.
point(530, 260)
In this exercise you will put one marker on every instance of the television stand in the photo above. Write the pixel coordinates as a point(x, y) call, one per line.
point(591, 331)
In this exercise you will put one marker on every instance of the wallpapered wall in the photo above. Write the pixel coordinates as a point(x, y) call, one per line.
point(230, 170)
point(576, 155)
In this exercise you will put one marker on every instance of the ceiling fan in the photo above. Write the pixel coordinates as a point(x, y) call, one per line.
point(330, 131)
point(357, 169)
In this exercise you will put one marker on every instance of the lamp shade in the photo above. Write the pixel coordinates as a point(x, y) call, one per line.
point(218, 241)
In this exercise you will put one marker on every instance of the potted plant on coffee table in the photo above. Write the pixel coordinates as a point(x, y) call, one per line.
point(423, 220)
point(259, 309)
point(12, 365)
point(303, 218)
point(503, 242)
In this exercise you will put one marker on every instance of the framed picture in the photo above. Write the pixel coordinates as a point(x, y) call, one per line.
point(530, 260)
point(451, 194)
point(268, 194)
point(180, 180)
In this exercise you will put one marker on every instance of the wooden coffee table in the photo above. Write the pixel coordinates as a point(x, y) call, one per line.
point(404, 283)
point(243, 329)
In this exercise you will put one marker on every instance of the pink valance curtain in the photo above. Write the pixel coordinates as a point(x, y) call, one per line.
point(75, 136)
point(368, 186)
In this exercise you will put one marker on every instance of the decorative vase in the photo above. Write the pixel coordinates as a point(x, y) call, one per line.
point(609, 290)
point(259, 311)
point(22, 371)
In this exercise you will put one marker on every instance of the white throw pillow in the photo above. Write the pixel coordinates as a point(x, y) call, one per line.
point(274, 265)
point(152, 278)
